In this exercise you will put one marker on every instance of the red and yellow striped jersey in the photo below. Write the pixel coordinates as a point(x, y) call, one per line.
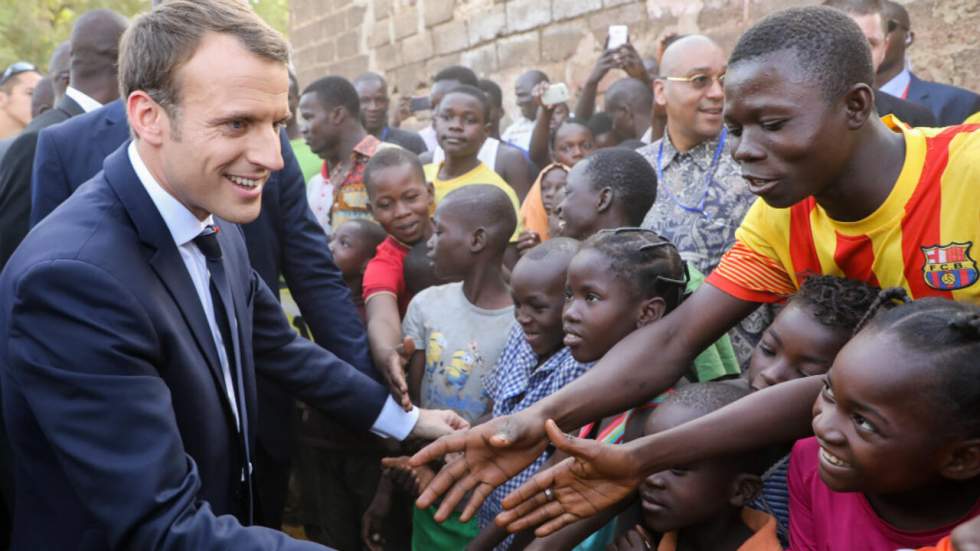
point(924, 237)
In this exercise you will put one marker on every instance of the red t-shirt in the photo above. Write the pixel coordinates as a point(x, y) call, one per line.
point(385, 273)
point(822, 519)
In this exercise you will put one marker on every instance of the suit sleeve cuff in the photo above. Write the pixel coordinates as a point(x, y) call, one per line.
point(395, 422)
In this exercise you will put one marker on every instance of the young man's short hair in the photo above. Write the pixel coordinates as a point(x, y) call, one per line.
point(462, 75)
point(629, 175)
point(477, 94)
point(828, 45)
point(493, 91)
point(334, 91)
point(390, 157)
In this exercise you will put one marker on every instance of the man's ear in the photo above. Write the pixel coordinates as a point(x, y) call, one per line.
point(147, 118)
point(651, 310)
point(605, 199)
point(859, 103)
point(478, 240)
point(337, 115)
point(745, 487)
point(962, 460)
point(658, 93)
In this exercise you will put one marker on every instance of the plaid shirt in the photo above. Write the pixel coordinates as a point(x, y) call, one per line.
point(519, 381)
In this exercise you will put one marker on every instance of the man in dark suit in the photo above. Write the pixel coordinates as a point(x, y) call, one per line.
point(94, 49)
point(950, 104)
point(285, 239)
point(132, 331)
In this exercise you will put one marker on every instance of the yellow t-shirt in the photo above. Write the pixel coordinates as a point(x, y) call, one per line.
point(921, 238)
point(482, 174)
point(973, 119)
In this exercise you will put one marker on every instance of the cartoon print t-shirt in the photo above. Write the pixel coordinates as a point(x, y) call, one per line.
point(461, 343)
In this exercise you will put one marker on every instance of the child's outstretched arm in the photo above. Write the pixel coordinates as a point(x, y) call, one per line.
point(385, 339)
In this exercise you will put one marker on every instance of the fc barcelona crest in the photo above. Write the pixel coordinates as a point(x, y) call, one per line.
point(949, 267)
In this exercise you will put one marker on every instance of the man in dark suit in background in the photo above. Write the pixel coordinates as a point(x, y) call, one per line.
point(950, 104)
point(94, 49)
point(131, 329)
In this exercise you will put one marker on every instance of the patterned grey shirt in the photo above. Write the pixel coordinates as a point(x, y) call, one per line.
point(702, 237)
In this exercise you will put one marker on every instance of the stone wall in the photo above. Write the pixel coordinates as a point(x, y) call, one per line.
point(410, 40)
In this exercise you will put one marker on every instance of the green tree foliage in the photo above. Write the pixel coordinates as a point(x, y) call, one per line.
point(30, 29)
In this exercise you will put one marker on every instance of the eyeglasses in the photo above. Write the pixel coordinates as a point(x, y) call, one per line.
point(699, 81)
point(16, 69)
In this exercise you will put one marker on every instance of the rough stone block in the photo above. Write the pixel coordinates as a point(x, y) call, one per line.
point(348, 44)
point(382, 8)
point(349, 68)
point(518, 50)
point(565, 9)
point(632, 15)
point(406, 22)
point(449, 37)
point(527, 14)
point(409, 78)
point(612, 3)
point(380, 34)
point(333, 25)
point(438, 11)
point(559, 41)
point(438, 63)
point(482, 59)
point(387, 57)
point(355, 16)
point(486, 24)
point(416, 48)
point(326, 52)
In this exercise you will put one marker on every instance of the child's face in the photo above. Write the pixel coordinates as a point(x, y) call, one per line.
point(460, 125)
point(795, 345)
point(600, 307)
point(537, 287)
point(577, 212)
point(559, 115)
point(552, 182)
point(349, 249)
point(877, 430)
point(573, 142)
point(686, 495)
point(450, 242)
point(400, 202)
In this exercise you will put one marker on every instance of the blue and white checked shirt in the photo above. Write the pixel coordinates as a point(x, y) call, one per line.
point(519, 381)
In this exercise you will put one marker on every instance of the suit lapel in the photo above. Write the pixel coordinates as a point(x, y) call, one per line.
point(918, 91)
point(165, 259)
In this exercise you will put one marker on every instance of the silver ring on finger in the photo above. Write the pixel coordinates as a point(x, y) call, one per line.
point(549, 494)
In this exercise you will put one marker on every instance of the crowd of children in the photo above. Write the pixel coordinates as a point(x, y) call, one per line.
point(488, 296)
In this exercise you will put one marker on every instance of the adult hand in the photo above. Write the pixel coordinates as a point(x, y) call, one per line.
point(636, 539)
point(537, 92)
point(527, 241)
point(630, 62)
point(394, 372)
point(606, 62)
point(595, 477)
point(436, 423)
point(493, 452)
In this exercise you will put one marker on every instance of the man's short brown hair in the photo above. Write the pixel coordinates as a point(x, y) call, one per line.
point(159, 42)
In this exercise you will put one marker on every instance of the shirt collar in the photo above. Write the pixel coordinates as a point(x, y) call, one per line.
point(700, 154)
point(897, 85)
point(181, 222)
point(82, 99)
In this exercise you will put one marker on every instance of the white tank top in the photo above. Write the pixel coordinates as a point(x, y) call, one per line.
point(487, 154)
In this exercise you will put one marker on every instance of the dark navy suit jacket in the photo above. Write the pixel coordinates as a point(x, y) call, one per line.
point(284, 239)
point(122, 432)
point(950, 105)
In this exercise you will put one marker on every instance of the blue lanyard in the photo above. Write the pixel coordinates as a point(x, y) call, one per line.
point(384, 133)
point(708, 177)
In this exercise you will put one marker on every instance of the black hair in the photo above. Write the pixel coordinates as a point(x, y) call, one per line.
point(371, 76)
point(567, 122)
point(556, 245)
point(334, 91)
point(633, 144)
point(371, 231)
point(537, 74)
point(947, 333)
point(387, 157)
point(828, 46)
point(486, 206)
point(705, 398)
point(860, 8)
point(630, 176)
point(493, 91)
point(475, 93)
point(600, 123)
point(650, 263)
point(462, 75)
point(835, 301)
point(632, 93)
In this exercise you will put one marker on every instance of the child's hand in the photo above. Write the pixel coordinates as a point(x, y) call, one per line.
point(394, 372)
point(637, 539)
point(372, 522)
point(527, 241)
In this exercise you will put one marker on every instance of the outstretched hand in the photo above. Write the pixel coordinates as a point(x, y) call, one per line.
point(394, 372)
point(597, 476)
point(492, 453)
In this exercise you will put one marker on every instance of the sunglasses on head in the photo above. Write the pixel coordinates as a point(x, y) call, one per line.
point(16, 69)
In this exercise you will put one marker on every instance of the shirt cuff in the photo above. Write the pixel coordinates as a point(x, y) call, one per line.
point(395, 422)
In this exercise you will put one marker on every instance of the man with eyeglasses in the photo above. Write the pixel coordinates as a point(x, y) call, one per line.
point(94, 49)
point(949, 104)
point(701, 196)
point(16, 86)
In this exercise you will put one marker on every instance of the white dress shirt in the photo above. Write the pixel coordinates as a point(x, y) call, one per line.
point(898, 85)
point(519, 133)
point(392, 422)
point(82, 99)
